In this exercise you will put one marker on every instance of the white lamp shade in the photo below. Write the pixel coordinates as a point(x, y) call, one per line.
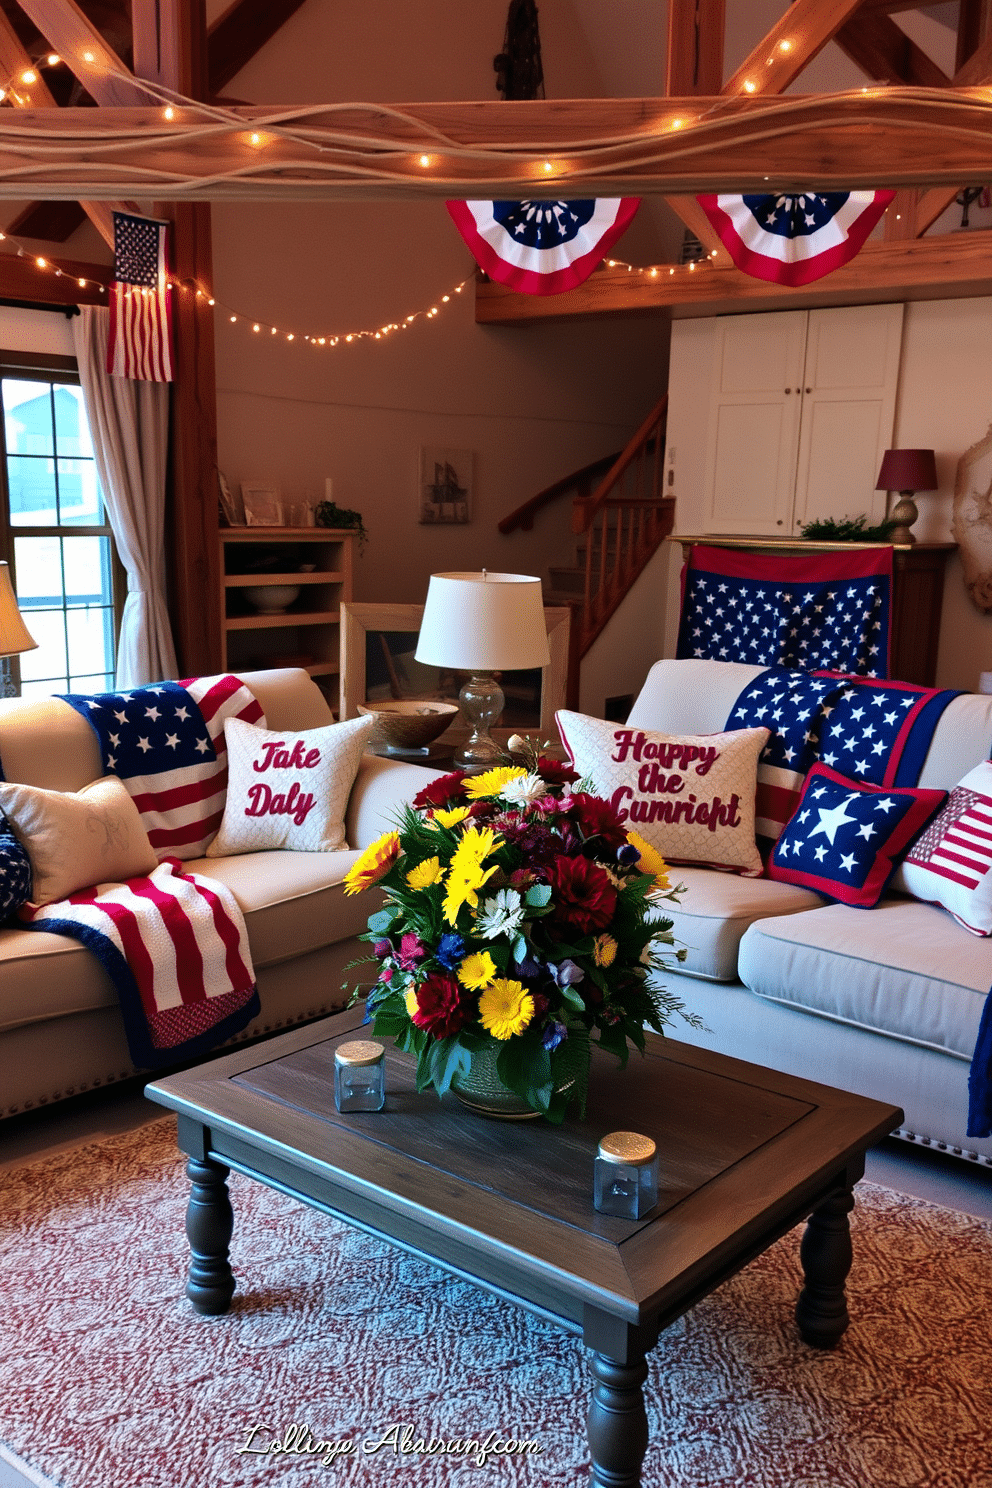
point(14, 634)
point(476, 622)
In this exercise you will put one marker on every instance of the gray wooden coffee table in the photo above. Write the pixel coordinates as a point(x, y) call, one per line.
point(746, 1154)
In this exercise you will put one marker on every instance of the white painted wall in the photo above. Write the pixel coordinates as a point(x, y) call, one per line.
point(35, 330)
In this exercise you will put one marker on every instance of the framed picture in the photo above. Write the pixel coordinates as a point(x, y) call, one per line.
point(263, 507)
point(378, 642)
point(230, 505)
point(444, 486)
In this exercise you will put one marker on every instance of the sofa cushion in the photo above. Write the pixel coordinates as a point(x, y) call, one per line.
point(844, 837)
point(288, 789)
point(949, 864)
point(690, 796)
point(715, 911)
point(906, 970)
point(76, 839)
point(292, 902)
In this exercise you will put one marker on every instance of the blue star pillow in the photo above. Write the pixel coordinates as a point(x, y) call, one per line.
point(845, 837)
point(15, 871)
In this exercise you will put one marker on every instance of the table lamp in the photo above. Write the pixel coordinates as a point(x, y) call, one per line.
point(14, 634)
point(481, 623)
point(906, 471)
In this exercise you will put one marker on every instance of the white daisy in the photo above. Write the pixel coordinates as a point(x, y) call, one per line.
point(501, 914)
point(523, 789)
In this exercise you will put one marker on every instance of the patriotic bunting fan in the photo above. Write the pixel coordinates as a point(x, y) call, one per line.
point(542, 247)
point(795, 239)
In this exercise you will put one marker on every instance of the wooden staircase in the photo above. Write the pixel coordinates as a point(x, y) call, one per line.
point(618, 523)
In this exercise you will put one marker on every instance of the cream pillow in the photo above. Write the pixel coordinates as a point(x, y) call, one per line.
point(76, 839)
point(691, 796)
point(288, 789)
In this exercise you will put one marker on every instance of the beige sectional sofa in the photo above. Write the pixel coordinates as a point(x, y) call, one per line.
point(61, 1030)
point(885, 1002)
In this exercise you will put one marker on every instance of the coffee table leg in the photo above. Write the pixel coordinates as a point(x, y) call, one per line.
point(209, 1226)
point(821, 1311)
point(617, 1422)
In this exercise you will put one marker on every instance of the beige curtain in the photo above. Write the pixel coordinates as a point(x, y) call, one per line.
point(129, 422)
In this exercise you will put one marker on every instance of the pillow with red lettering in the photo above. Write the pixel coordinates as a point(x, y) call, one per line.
point(288, 789)
point(690, 795)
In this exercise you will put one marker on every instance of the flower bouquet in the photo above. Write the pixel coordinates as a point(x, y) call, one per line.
point(518, 909)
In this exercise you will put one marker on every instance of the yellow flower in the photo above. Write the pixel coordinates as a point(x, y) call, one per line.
point(374, 863)
point(477, 971)
point(604, 950)
point(651, 861)
point(490, 782)
point(505, 1008)
point(467, 876)
point(412, 1005)
point(426, 873)
point(450, 818)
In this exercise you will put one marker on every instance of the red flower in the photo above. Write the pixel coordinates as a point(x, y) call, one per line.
point(440, 792)
point(555, 772)
point(482, 810)
point(597, 818)
point(583, 894)
point(439, 1007)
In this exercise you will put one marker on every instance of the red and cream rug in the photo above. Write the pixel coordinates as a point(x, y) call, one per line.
point(111, 1381)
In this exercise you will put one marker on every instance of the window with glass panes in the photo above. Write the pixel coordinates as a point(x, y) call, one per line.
point(55, 533)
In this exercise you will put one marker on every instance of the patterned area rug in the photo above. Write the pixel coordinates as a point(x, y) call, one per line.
point(111, 1381)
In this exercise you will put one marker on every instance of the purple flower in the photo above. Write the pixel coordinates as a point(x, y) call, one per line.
point(566, 974)
point(528, 967)
point(628, 855)
point(382, 948)
point(450, 951)
point(555, 1033)
point(412, 950)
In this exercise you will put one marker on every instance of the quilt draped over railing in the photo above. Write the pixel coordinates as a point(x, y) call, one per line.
point(828, 610)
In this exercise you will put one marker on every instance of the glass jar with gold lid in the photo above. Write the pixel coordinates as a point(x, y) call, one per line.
point(360, 1076)
point(626, 1175)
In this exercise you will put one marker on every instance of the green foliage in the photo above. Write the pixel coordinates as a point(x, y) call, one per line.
point(327, 514)
point(847, 529)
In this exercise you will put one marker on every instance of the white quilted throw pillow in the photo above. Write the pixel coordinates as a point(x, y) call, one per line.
point(289, 789)
point(690, 795)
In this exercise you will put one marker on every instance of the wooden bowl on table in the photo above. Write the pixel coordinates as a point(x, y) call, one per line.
point(409, 724)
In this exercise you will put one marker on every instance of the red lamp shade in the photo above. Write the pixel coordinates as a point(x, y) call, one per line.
point(907, 470)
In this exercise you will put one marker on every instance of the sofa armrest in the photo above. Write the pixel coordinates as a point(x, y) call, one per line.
point(382, 788)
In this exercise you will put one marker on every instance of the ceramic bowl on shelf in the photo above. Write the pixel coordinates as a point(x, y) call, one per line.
point(271, 599)
point(409, 724)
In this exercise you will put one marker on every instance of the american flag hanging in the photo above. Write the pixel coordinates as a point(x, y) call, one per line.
point(794, 239)
point(542, 247)
point(140, 341)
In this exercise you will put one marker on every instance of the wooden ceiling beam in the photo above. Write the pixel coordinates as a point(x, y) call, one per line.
point(929, 268)
point(85, 52)
point(240, 33)
point(844, 141)
point(793, 41)
point(694, 67)
point(885, 53)
point(22, 279)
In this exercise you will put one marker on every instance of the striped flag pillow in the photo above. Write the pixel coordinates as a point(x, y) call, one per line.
point(949, 864)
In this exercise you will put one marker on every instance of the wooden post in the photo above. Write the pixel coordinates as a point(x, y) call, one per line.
point(170, 48)
point(695, 48)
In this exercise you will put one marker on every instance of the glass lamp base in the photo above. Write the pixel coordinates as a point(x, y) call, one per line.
point(481, 701)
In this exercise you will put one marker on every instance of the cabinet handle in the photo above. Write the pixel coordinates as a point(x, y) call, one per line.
point(788, 390)
point(779, 522)
point(809, 390)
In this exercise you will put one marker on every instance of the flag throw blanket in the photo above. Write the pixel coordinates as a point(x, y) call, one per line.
point(980, 1078)
point(827, 610)
point(176, 949)
point(166, 743)
point(868, 730)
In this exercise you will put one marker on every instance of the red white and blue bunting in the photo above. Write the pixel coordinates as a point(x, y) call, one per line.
point(795, 239)
point(542, 247)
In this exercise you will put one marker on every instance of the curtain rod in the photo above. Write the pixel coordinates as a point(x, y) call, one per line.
point(67, 310)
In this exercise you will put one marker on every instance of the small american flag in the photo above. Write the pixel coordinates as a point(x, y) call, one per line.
point(958, 843)
point(166, 743)
point(140, 341)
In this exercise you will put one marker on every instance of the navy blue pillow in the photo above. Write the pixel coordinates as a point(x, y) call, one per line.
point(15, 871)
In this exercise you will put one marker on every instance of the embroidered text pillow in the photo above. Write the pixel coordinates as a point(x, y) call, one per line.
point(690, 796)
point(15, 872)
point(949, 864)
point(287, 789)
point(76, 839)
point(845, 836)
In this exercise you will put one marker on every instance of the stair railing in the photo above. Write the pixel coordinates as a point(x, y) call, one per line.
point(580, 483)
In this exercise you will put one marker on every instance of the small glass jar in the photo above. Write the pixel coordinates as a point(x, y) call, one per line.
point(626, 1175)
point(359, 1076)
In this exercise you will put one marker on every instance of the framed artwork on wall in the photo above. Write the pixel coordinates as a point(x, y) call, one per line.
point(444, 486)
point(378, 642)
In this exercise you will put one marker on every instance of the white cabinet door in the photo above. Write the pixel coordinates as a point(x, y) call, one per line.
point(755, 406)
point(848, 411)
